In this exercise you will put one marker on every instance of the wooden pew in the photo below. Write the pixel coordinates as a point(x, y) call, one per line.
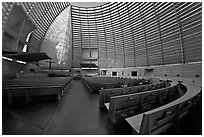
point(108, 85)
point(141, 125)
point(36, 82)
point(33, 91)
point(106, 94)
point(96, 83)
point(124, 106)
point(158, 120)
point(31, 87)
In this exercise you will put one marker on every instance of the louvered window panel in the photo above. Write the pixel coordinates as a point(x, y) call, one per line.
point(77, 41)
point(152, 37)
point(139, 40)
point(170, 34)
point(119, 38)
point(110, 38)
point(127, 34)
point(191, 26)
point(102, 43)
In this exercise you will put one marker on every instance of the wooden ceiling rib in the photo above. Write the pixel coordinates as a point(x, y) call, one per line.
point(127, 34)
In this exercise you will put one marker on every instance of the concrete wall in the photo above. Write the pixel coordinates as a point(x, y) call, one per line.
point(57, 42)
point(10, 69)
point(185, 70)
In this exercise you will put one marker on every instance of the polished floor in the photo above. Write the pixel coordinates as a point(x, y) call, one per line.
point(76, 114)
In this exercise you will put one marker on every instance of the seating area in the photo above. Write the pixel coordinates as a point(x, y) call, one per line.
point(126, 100)
point(127, 105)
point(97, 83)
point(106, 94)
point(28, 87)
point(146, 109)
point(151, 108)
point(160, 119)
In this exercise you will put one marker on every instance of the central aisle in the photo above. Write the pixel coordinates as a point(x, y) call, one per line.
point(78, 113)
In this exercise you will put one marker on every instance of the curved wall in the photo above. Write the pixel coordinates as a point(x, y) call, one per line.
point(132, 34)
point(41, 14)
point(57, 42)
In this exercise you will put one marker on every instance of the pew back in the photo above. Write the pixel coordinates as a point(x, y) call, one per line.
point(36, 82)
point(105, 94)
point(97, 83)
point(158, 120)
point(131, 104)
point(38, 86)
point(33, 91)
